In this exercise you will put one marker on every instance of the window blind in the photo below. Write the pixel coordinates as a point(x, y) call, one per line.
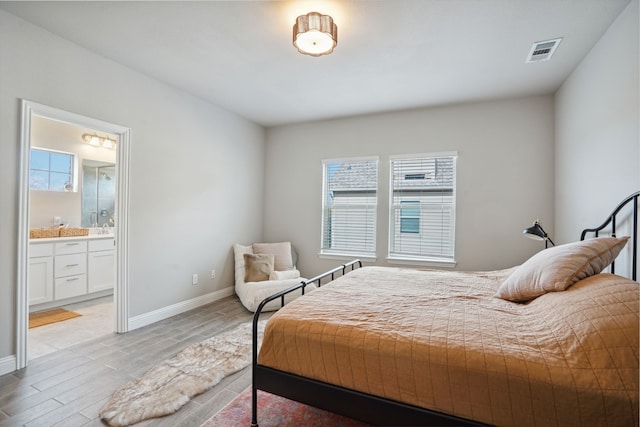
point(349, 207)
point(422, 208)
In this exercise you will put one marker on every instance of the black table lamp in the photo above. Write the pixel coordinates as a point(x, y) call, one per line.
point(537, 232)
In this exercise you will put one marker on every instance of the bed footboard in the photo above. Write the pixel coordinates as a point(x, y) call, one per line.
point(342, 270)
point(350, 403)
point(346, 402)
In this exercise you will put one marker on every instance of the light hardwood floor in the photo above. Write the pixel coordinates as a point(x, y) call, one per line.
point(68, 387)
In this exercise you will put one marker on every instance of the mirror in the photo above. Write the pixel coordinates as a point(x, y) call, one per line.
point(98, 193)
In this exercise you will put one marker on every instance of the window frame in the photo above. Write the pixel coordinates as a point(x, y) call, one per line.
point(73, 173)
point(398, 257)
point(341, 253)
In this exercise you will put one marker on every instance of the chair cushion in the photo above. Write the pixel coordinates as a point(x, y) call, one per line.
point(251, 294)
point(281, 251)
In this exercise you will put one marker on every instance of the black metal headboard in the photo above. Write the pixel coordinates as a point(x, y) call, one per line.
point(611, 219)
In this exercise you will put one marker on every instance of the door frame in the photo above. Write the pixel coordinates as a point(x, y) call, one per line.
point(121, 289)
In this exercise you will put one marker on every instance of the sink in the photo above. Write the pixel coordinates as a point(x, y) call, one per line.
point(100, 231)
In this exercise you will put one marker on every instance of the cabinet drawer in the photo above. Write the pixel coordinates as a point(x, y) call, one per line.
point(72, 286)
point(74, 247)
point(40, 249)
point(68, 265)
point(100, 245)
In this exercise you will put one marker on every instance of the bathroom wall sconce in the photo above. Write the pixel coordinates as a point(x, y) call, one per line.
point(315, 34)
point(99, 141)
point(537, 232)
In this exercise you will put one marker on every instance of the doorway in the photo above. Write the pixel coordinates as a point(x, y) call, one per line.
point(109, 165)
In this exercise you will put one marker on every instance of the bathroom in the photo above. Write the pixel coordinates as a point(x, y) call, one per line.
point(72, 180)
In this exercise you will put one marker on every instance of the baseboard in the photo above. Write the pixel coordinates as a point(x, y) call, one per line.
point(171, 310)
point(67, 301)
point(8, 364)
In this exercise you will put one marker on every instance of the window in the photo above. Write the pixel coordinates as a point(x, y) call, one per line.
point(51, 170)
point(422, 208)
point(349, 203)
point(410, 216)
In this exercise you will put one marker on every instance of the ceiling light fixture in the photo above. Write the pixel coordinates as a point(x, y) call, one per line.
point(99, 141)
point(315, 34)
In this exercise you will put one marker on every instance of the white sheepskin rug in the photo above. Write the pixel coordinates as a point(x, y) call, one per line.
point(167, 387)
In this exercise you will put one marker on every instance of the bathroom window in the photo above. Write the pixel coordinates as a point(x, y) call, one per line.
point(51, 170)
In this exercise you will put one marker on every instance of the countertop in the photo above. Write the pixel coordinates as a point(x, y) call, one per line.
point(71, 238)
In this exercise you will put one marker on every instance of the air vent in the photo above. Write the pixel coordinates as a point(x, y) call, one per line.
point(542, 51)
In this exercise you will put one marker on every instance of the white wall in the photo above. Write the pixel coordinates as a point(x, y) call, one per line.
point(504, 181)
point(195, 168)
point(598, 130)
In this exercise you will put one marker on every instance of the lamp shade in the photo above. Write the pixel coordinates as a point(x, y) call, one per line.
point(537, 232)
point(315, 34)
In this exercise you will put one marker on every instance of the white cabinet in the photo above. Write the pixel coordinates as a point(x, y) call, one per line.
point(40, 273)
point(70, 269)
point(75, 268)
point(101, 258)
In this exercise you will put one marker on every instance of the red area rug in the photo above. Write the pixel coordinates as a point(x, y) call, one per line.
point(276, 411)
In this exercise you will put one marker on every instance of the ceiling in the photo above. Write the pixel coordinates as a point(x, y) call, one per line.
point(391, 54)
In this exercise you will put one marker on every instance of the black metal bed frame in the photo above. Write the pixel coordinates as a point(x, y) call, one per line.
point(362, 406)
point(350, 403)
point(611, 219)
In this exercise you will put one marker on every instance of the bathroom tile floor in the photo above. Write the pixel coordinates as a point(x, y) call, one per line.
point(96, 320)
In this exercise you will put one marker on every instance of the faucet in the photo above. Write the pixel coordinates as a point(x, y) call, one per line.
point(105, 229)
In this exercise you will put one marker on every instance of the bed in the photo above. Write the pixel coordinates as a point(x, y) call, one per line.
point(551, 342)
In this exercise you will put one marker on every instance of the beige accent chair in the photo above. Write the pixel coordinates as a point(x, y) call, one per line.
point(282, 273)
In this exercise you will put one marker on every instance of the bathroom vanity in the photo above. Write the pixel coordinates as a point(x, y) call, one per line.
point(64, 270)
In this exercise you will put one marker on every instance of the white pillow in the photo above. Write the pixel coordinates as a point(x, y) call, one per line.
point(557, 268)
point(284, 275)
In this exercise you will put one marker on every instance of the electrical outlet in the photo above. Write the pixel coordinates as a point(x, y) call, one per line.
point(194, 279)
point(213, 274)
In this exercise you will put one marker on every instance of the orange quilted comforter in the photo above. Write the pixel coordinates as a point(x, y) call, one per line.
point(442, 341)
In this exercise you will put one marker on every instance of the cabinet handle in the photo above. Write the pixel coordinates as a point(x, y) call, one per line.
point(73, 279)
point(73, 244)
point(72, 265)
